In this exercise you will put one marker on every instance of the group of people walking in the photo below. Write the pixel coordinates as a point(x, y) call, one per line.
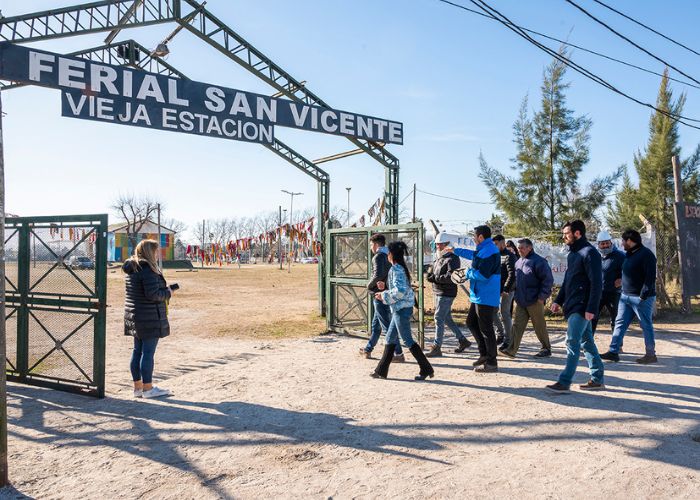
point(595, 279)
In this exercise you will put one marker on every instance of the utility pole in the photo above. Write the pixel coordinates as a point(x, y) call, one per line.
point(3, 339)
point(678, 192)
point(160, 239)
point(279, 239)
point(348, 189)
point(414, 202)
point(291, 210)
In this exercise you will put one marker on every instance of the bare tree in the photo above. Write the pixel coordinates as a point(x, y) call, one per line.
point(135, 211)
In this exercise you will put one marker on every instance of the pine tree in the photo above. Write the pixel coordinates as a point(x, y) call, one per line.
point(551, 151)
point(655, 199)
point(623, 212)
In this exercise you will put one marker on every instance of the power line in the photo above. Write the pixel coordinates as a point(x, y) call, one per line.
point(577, 47)
point(455, 199)
point(568, 62)
point(646, 27)
point(571, 2)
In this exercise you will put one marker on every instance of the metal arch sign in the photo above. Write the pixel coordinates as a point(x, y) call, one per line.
point(116, 94)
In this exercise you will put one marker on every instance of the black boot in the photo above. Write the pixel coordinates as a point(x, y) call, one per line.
point(382, 369)
point(426, 370)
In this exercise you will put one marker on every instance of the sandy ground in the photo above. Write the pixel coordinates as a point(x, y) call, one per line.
point(257, 414)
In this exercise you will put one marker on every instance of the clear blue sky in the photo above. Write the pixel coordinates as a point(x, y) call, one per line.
point(454, 79)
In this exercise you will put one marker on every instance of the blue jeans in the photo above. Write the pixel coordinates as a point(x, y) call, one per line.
point(142, 359)
point(579, 334)
point(629, 307)
point(380, 321)
point(443, 316)
point(400, 325)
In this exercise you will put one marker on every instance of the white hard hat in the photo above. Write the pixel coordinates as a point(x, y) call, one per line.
point(442, 237)
point(603, 236)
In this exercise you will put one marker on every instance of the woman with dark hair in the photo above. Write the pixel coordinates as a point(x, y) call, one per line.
point(512, 248)
point(399, 295)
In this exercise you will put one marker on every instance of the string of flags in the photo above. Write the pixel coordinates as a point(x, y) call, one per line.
point(375, 213)
point(217, 253)
point(73, 234)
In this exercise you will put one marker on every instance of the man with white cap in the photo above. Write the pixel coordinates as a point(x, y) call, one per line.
point(445, 291)
point(612, 278)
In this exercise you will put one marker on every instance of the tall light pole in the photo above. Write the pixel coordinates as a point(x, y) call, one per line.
point(291, 208)
point(348, 189)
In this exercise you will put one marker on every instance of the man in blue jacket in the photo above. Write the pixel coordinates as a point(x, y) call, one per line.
point(638, 297)
point(484, 294)
point(533, 286)
point(579, 296)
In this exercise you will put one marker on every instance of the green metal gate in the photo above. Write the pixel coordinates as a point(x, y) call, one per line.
point(56, 292)
point(349, 267)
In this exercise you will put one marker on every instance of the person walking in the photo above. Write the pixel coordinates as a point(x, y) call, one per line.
point(400, 297)
point(637, 298)
point(533, 286)
point(512, 248)
point(445, 292)
point(579, 297)
point(484, 294)
point(145, 315)
point(612, 278)
point(382, 312)
point(502, 320)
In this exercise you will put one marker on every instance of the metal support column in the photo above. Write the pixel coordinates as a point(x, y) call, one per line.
point(391, 195)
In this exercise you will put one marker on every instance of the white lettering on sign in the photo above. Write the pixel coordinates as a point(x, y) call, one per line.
point(692, 211)
point(36, 65)
point(69, 69)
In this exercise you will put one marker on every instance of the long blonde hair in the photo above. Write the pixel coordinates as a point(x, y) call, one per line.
point(147, 250)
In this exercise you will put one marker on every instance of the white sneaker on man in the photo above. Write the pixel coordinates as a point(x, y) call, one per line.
point(156, 392)
point(138, 393)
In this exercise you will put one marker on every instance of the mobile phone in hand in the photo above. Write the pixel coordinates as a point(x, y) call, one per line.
point(174, 286)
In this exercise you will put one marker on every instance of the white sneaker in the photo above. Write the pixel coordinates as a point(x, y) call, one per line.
point(156, 392)
point(138, 393)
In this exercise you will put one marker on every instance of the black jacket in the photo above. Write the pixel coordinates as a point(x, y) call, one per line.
point(508, 260)
point(380, 270)
point(441, 275)
point(639, 273)
point(612, 270)
point(583, 281)
point(144, 305)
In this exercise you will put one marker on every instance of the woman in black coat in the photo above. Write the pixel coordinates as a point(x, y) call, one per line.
point(145, 315)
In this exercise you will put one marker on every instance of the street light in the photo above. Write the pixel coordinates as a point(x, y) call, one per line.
point(348, 189)
point(291, 208)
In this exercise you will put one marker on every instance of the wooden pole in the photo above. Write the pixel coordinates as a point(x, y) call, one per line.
point(201, 255)
point(678, 192)
point(3, 339)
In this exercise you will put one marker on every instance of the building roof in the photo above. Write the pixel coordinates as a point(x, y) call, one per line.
point(148, 227)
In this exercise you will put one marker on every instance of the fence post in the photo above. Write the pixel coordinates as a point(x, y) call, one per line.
point(3, 345)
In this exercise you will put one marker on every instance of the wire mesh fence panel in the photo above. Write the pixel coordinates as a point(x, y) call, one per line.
point(350, 307)
point(351, 259)
point(61, 345)
point(56, 301)
point(11, 336)
point(62, 261)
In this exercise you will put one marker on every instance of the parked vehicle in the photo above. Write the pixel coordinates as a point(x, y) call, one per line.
point(76, 262)
point(309, 260)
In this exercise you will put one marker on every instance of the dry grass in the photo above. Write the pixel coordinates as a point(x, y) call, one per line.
point(256, 301)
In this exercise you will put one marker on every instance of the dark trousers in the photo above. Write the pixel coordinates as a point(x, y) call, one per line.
point(609, 301)
point(142, 359)
point(480, 323)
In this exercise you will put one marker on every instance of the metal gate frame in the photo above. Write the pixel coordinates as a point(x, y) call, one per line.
point(333, 280)
point(21, 301)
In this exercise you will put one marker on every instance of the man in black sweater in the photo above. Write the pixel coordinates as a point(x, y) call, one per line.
point(579, 296)
point(638, 297)
point(382, 311)
point(503, 320)
point(612, 278)
point(445, 292)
